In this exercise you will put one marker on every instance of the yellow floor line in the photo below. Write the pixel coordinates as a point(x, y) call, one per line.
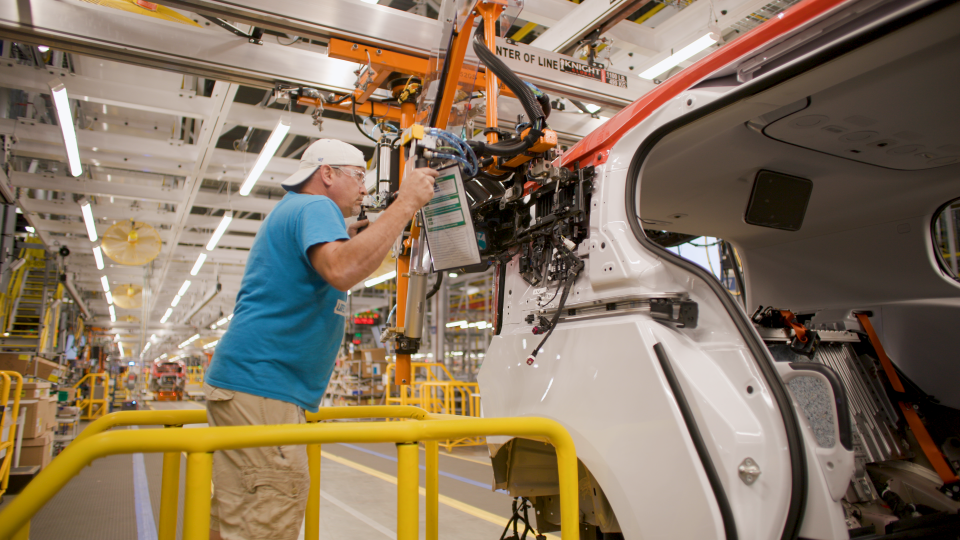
point(452, 503)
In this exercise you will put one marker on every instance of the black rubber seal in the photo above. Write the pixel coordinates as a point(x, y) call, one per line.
point(726, 512)
point(839, 398)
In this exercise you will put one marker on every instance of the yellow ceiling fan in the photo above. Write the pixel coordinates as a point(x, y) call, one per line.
point(132, 243)
point(128, 296)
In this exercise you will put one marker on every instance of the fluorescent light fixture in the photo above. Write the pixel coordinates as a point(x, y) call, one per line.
point(98, 255)
point(230, 317)
point(105, 283)
point(113, 314)
point(380, 279)
point(145, 347)
point(43, 48)
point(176, 300)
point(194, 338)
point(131, 363)
point(211, 344)
point(198, 264)
point(591, 108)
point(109, 297)
point(451, 274)
point(461, 324)
point(153, 337)
point(221, 228)
point(65, 119)
point(269, 149)
point(120, 346)
point(222, 321)
point(166, 315)
point(184, 287)
point(88, 220)
point(683, 54)
point(29, 229)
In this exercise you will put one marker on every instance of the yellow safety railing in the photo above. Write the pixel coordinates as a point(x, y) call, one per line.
point(91, 406)
point(51, 319)
point(441, 396)
point(199, 444)
point(8, 445)
point(33, 258)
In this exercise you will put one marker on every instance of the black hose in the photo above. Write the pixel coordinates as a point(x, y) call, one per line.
point(360, 129)
point(520, 89)
point(436, 286)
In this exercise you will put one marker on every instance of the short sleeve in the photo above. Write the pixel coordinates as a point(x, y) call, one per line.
point(321, 222)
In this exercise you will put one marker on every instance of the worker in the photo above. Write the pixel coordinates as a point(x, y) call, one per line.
point(277, 356)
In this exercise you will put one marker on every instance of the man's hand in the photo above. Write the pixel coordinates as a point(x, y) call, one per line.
point(345, 263)
point(416, 189)
point(355, 227)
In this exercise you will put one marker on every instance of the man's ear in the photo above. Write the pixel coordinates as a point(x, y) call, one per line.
point(325, 172)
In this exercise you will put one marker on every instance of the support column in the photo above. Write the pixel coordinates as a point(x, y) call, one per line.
point(408, 491)
point(433, 490)
point(196, 504)
point(311, 529)
point(169, 495)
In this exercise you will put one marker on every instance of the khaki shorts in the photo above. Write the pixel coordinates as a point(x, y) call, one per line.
point(258, 493)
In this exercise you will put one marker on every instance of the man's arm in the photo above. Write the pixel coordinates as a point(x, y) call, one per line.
point(346, 262)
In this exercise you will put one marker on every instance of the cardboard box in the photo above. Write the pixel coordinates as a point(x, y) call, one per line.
point(26, 364)
point(50, 414)
point(67, 395)
point(36, 422)
point(374, 355)
point(35, 390)
point(37, 450)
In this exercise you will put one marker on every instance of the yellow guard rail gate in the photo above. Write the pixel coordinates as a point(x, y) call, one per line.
point(199, 445)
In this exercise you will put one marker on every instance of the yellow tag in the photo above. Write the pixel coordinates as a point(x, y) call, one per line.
point(24, 357)
point(53, 378)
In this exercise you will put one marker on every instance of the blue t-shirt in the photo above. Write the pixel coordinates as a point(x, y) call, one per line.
point(288, 322)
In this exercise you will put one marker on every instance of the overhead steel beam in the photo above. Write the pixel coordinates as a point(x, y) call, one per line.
point(223, 94)
point(106, 146)
point(108, 33)
point(210, 223)
point(588, 17)
point(120, 94)
point(243, 204)
point(372, 24)
point(96, 188)
point(104, 32)
point(104, 211)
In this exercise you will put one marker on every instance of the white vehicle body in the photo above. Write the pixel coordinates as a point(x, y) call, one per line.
point(665, 472)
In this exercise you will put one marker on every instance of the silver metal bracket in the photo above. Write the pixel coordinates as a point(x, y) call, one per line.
point(749, 471)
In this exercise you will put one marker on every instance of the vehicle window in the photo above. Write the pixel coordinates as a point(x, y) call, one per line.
point(946, 238)
point(715, 255)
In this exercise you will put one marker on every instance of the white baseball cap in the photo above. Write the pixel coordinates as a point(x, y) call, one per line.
point(324, 152)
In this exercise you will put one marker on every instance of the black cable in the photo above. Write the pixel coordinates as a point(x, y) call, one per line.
point(436, 286)
point(553, 322)
point(354, 104)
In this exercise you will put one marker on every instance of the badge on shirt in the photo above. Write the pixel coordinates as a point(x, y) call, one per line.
point(341, 308)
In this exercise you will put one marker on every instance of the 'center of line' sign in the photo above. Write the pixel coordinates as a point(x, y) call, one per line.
point(563, 64)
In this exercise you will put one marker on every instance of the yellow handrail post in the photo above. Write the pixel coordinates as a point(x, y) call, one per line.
point(7, 464)
point(23, 533)
point(433, 489)
point(169, 495)
point(311, 528)
point(408, 491)
point(196, 504)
